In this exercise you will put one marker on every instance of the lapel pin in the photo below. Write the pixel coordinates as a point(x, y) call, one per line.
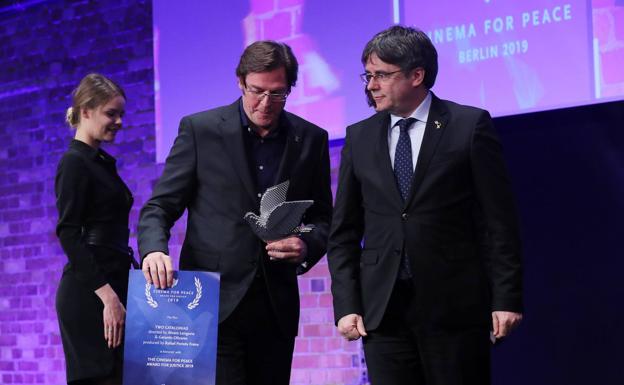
point(297, 138)
point(437, 124)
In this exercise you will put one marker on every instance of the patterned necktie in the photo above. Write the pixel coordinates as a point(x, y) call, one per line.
point(403, 166)
point(403, 172)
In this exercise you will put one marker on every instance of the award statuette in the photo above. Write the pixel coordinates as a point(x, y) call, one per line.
point(171, 334)
point(279, 219)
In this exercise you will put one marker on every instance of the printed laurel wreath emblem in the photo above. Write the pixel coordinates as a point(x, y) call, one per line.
point(148, 296)
point(192, 305)
point(198, 294)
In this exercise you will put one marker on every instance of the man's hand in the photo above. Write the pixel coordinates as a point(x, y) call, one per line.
point(351, 327)
point(157, 269)
point(504, 322)
point(292, 249)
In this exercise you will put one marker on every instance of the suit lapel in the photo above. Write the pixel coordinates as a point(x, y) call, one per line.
point(232, 134)
point(292, 150)
point(436, 125)
point(382, 158)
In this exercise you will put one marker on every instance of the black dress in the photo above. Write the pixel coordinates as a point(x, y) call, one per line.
point(93, 204)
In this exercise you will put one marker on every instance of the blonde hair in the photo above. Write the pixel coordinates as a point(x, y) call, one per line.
point(94, 90)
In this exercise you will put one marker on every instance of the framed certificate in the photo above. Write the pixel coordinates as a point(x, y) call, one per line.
point(171, 334)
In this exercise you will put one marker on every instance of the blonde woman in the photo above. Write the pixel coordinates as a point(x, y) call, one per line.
point(93, 204)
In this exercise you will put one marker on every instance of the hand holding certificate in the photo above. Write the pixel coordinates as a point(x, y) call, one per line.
point(171, 334)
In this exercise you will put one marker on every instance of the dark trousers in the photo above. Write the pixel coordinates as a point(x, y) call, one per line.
point(400, 352)
point(251, 348)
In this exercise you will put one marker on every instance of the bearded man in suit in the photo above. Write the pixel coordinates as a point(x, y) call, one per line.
point(220, 164)
point(424, 248)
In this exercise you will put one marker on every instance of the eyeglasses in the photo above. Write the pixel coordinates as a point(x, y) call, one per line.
point(379, 76)
point(273, 96)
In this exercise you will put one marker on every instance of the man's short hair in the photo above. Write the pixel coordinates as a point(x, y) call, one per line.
point(407, 48)
point(265, 56)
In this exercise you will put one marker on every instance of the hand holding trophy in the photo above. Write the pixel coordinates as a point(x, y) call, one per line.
point(278, 219)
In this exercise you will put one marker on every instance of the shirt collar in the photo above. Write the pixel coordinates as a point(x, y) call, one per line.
point(245, 123)
point(421, 112)
point(93, 153)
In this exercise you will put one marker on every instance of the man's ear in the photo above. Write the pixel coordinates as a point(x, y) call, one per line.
point(241, 84)
point(418, 76)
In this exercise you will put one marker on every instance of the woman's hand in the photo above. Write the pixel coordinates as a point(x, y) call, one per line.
point(114, 316)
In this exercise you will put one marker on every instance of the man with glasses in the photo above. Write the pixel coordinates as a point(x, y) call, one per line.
point(424, 250)
point(220, 164)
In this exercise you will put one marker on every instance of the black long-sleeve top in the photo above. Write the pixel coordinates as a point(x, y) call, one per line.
point(91, 198)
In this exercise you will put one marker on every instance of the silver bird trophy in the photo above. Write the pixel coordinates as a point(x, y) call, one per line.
point(279, 219)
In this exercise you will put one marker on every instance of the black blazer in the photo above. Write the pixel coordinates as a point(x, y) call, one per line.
point(207, 173)
point(459, 226)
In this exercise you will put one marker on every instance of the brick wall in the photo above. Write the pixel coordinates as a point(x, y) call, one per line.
point(321, 355)
point(45, 48)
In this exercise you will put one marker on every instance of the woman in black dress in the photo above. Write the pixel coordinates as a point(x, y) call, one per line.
point(93, 204)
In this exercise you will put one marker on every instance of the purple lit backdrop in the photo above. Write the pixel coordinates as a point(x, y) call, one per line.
point(512, 57)
point(47, 46)
point(507, 57)
point(196, 57)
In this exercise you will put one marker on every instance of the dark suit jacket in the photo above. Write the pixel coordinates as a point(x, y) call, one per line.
point(459, 226)
point(207, 173)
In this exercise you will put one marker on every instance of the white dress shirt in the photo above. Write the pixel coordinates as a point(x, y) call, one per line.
point(416, 131)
